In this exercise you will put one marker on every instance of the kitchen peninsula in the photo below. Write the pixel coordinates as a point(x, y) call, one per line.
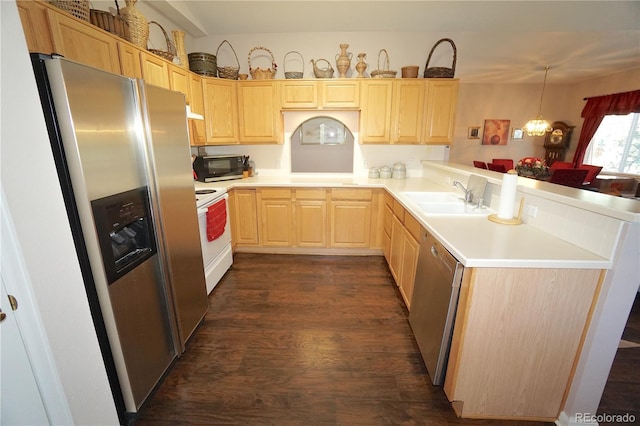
point(526, 289)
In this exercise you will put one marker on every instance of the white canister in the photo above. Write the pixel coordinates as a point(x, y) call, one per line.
point(374, 173)
point(399, 171)
point(385, 172)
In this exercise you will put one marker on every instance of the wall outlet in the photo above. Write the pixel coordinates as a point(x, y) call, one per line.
point(532, 211)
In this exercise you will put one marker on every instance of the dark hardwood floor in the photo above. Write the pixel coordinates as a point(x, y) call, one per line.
point(622, 391)
point(303, 340)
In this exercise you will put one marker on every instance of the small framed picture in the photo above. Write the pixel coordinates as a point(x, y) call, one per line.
point(474, 133)
point(517, 134)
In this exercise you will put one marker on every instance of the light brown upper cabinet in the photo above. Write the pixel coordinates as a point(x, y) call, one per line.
point(442, 98)
point(179, 81)
point(81, 42)
point(259, 117)
point(155, 70)
point(408, 111)
point(340, 94)
point(129, 60)
point(220, 111)
point(197, 131)
point(310, 94)
point(35, 25)
point(376, 96)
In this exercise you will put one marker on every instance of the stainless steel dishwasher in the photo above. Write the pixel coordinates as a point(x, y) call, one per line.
point(434, 304)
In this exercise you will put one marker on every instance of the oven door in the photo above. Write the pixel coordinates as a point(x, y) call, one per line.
point(216, 254)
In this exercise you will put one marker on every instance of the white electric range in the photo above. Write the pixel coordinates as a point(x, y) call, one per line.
point(215, 233)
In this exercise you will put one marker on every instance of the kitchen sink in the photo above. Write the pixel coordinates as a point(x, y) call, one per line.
point(444, 204)
point(434, 197)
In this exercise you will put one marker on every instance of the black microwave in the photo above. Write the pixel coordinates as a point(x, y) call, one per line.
point(212, 168)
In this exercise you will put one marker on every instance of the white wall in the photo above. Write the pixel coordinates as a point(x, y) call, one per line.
point(35, 202)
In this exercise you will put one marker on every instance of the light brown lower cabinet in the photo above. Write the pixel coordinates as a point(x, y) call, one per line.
point(516, 340)
point(276, 214)
point(404, 235)
point(319, 220)
point(244, 217)
point(311, 217)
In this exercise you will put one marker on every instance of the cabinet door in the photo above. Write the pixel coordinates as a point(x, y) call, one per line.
point(259, 117)
point(311, 223)
point(375, 114)
point(246, 217)
point(408, 111)
point(350, 223)
point(276, 215)
point(276, 222)
point(82, 42)
point(196, 127)
point(340, 94)
point(155, 70)
point(409, 263)
point(386, 237)
point(179, 81)
point(35, 25)
point(301, 94)
point(442, 96)
point(396, 250)
point(129, 60)
point(220, 111)
point(311, 217)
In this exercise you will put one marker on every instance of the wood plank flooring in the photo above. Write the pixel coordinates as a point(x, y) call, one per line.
point(622, 391)
point(303, 340)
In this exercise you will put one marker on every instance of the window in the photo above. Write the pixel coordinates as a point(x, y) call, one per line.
point(616, 144)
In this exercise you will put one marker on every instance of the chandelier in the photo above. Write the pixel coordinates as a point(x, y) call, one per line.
point(539, 126)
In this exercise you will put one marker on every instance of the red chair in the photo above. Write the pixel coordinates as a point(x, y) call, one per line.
point(480, 164)
point(497, 167)
point(569, 177)
point(560, 165)
point(592, 172)
point(506, 162)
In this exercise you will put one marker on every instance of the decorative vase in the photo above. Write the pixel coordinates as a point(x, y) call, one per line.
point(343, 61)
point(138, 24)
point(178, 39)
point(361, 65)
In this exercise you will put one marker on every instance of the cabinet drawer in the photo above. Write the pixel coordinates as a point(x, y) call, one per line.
point(351, 194)
point(311, 194)
point(388, 200)
point(398, 210)
point(267, 193)
point(413, 226)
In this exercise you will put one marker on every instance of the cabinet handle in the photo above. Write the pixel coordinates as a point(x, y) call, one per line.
point(14, 302)
point(434, 251)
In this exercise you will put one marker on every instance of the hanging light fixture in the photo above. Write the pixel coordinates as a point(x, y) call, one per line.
point(538, 126)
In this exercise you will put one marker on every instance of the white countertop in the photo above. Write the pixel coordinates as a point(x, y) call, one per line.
point(474, 241)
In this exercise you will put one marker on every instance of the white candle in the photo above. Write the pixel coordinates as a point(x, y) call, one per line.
point(508, 195)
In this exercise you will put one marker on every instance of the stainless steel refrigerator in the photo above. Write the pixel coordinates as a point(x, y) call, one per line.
point(123, 159)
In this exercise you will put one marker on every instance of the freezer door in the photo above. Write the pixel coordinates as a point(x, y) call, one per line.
point(174, 204)
point(99, 121)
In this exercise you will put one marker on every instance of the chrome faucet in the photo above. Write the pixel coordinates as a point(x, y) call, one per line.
point(468, 195)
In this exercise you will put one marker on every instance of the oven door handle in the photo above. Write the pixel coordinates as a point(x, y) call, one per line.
point(203, 210)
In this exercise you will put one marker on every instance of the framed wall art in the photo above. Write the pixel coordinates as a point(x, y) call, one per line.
point(517, 134)
point(496, 132)
point(473, 133)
